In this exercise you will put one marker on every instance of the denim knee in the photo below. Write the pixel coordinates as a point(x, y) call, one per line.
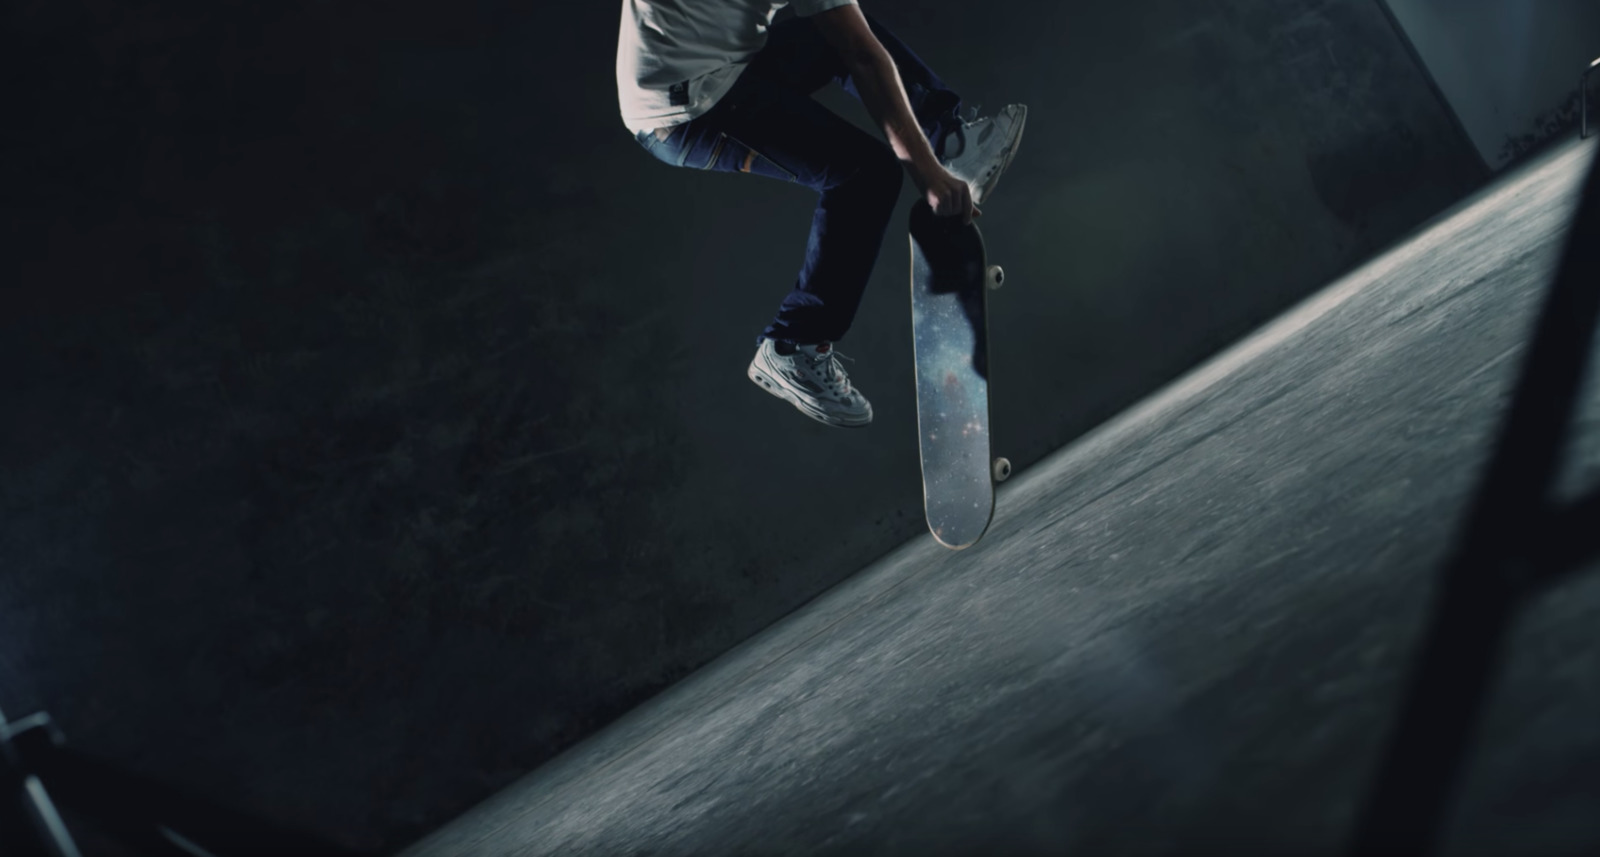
point(881, 176)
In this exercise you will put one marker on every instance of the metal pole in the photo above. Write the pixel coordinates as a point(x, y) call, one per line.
point(1583, 98)
point(30, 826)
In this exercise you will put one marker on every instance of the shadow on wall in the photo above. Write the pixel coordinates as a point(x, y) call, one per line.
point(1354, 178)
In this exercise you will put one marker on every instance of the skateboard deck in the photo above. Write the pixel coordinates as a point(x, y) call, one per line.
point(950, 283)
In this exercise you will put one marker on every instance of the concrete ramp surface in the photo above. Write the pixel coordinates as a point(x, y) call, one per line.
point(1189, 632)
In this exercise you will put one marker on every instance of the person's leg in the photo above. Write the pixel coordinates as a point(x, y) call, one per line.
point(769, 125)
point(766, 127)
point(798, 56)
point(977, 151)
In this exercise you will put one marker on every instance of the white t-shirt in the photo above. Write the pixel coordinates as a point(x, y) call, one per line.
point(675, 58)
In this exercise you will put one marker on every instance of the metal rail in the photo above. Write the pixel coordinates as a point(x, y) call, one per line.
point(143, 816)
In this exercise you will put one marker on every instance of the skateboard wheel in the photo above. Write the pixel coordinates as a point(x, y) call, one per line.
point(995, 277)
point(1002, 469)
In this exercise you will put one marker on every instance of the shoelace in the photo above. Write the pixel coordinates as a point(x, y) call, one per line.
point(833, 374)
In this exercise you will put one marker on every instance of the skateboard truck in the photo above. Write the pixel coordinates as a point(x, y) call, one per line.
point(994, 278)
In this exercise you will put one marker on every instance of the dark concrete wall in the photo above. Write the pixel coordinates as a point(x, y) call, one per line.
point(375, 412)
point(1509, 68)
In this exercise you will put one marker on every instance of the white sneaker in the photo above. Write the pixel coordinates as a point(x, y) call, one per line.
point(812, 380)
point(986, 147)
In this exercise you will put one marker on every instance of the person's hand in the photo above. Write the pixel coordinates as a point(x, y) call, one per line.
point(947, 195)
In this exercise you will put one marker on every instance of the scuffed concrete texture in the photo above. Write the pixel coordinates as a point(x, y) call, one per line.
point(375, 413)
point(1188, 633)
point(1189, 171)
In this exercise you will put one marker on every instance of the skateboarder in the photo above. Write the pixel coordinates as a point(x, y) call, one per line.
point(711, 85)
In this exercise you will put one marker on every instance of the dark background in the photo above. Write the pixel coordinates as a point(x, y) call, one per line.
point(375, 421)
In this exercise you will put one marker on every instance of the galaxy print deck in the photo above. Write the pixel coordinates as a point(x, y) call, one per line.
point(950, 282)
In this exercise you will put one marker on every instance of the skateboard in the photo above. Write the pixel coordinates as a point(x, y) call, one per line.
point(950, 284)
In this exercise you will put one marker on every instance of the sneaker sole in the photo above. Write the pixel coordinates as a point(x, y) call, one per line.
point(803, 406)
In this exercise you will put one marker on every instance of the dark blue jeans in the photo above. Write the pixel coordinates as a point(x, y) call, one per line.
point(768, 125)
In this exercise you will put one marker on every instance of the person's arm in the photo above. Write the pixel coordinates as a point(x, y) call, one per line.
point(878, 82)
